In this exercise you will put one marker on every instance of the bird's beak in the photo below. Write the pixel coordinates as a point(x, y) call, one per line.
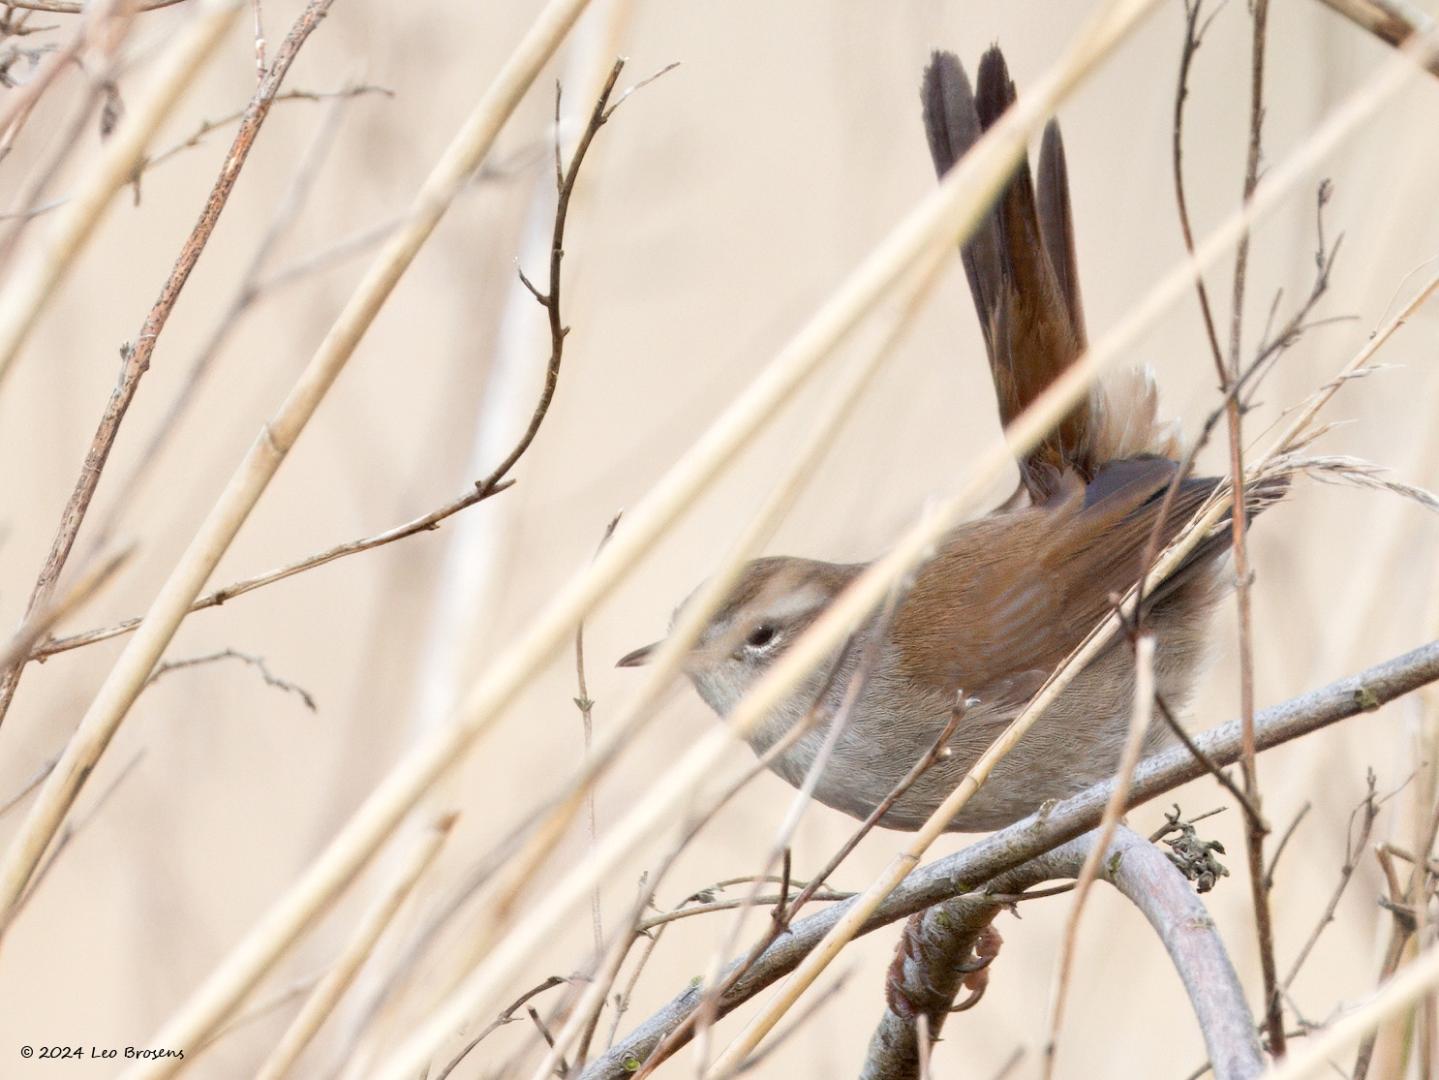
point(638, 657)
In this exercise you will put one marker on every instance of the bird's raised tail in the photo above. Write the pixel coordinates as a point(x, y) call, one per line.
point(1022, 272)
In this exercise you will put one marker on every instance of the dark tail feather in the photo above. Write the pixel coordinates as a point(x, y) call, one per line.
point(1020, 265)
point(952, 124)
point(1056, 225)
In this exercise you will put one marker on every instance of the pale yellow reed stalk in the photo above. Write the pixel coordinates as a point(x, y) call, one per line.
point(29, 291)
point(934, 224)
point(1315, 1055)
point(796, 471)
point(328, 991)
point(250, 480)
point(1021, 434)
point(987, 164)
point(1139, 720)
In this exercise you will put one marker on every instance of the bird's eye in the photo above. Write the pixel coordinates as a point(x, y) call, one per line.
point(760, 636)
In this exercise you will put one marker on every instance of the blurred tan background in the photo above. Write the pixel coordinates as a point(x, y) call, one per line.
point(721, 206)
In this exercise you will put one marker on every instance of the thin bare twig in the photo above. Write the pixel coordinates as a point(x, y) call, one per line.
point(980, 862)
point(31, 210)
point(712, 1003)
point(1354, 847)
point(256, 662)
point(1254, 831)
point(504, 1018)
point(246, 294)
point(76, 7)
point(135, 358)
point(583, 701)
point(1283, 844)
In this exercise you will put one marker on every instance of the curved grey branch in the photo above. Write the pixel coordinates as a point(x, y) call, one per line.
point(930, 967)
point(1154, 885)
point(938, 950)
point(967, 870)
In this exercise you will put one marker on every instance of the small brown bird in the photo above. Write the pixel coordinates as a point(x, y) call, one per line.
point(1005, 598)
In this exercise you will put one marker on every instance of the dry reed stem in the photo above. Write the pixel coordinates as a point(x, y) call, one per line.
point(1392, 21)
point(1399, 993)
point(1026, 429)
point(1043, 831)
point(1139, 720)
point(136, 356)
point(991, 156)
point(384, 807)
point(27, 294)
point(927, 230)
point(37, 623)
point(869, 589)
point(424, 523)
point(448, 177)
point(327, 993)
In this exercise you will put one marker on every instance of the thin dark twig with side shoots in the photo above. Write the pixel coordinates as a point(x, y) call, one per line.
point(1354, 847)
point(136, 357)
point(517, 872)
point(497, 481)
point(1255, 831)
point(1194, 32)
point(550, 299)
point(583, 701)
point(1247, 382)
point(713, 997)
point(256, 662)
point(1231, 379)
point(981, 861)
point(427, 523)
point(498, 1022)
